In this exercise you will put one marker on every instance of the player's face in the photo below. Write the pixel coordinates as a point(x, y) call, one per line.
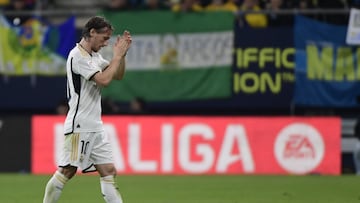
point(101, 40)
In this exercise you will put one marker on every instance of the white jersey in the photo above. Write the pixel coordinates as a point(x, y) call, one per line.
point(83, 94)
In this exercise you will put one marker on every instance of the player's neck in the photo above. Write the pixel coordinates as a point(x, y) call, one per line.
point(85, 45)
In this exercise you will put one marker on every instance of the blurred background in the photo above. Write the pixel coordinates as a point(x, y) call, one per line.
point(208, 58)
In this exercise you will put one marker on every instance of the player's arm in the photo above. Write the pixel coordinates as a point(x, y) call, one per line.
point(116, 68)
point(120, 71)
point(121, 68)
point(103, 78)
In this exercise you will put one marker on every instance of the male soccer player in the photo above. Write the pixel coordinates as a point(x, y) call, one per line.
point(85, 143)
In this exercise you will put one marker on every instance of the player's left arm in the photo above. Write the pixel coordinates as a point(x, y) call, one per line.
point(120, 71)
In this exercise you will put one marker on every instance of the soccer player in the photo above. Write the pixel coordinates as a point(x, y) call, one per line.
point(86, 145)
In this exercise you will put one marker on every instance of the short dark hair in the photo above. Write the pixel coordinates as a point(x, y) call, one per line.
point(98, 23)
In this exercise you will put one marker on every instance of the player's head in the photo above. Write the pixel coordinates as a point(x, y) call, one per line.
point(97, 32)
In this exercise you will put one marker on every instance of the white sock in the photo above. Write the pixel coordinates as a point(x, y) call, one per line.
point(54, 187)
point(110, 190)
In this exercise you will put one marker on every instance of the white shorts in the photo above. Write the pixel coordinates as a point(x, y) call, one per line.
point(84, 150)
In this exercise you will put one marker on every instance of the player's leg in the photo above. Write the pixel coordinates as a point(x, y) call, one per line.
point(68, 163)
point(56, 183)
point(108, 184)
point(102, 158)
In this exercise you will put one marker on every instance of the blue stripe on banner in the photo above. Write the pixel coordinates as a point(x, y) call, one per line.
point(326, 70)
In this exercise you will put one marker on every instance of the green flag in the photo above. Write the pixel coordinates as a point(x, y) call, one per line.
point(174, 56)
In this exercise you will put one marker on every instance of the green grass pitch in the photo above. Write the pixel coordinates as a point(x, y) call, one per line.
point(19, 188)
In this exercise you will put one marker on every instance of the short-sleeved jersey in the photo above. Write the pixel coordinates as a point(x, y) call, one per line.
point(84, 95)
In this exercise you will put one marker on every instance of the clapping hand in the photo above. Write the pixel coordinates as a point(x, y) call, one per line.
point(122, 44)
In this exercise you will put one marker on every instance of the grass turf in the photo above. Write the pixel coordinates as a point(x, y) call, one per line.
point(19, 188)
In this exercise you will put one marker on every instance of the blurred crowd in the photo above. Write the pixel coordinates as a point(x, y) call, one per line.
point(256, 18)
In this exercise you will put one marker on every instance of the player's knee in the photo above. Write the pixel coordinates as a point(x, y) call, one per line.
point(106, 169)
point(68, 171)
point(111, 170)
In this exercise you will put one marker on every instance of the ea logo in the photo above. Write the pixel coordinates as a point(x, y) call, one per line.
point(299, 148)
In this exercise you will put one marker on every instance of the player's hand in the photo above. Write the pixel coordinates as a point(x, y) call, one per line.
point(127, 37)
point(122, 44)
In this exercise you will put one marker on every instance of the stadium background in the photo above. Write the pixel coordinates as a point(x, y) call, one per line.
point(275, 86)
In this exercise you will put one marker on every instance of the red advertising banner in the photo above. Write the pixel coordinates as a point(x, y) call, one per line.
point(205, 145)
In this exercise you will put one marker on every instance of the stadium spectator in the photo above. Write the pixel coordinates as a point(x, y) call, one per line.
point(215, 5)
point(108, 106)
point(4, 3)
point(137, 106)
point(334, 4)
point(219, 5)
point(187, 6)
point(118, 5)
point(17, 6)
point(336, 18)
point(276, 18)
point(255, 20)
point(30, 3)
point(154, 5)
point(62, 108)
point(306, 5)
point(45, 4)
